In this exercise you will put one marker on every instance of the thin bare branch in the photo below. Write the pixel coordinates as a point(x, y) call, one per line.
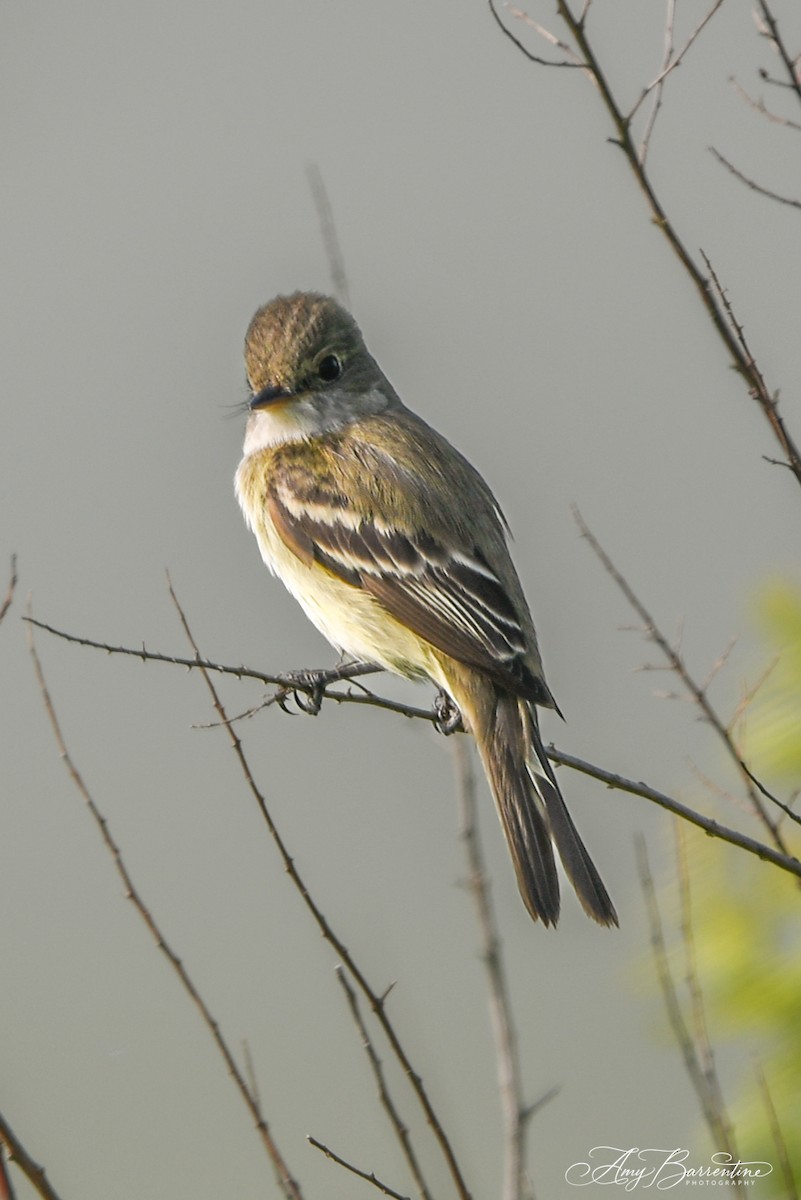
point(657, 86)
point(312, 683)
point(623, 138)
point(760, 107)
point(398, 1125)
point(752, 184)
point(789, 61)
point(670, 995)
point(328, 229)
point(790, 1184)
point(6, 1187)
point(611, 779)
point(504, 1033)
point(375, 1001)
point(768, 402)
point(669, 63)
point(289, 1186)
point(546, 35)
point(293, 681)
point(369, 1177)
point(784, 861)
point(250, 1074)
point(721, 1130)
point(16, 1153)
point(697, 693)
point(9, 596)
point(524, 50)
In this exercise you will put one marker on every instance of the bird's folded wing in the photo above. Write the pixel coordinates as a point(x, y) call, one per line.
point(449, 597)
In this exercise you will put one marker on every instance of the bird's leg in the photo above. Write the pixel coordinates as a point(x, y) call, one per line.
point(308, 685)
point(447, 717)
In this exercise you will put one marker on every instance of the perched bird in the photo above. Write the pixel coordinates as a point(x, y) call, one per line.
point(395, 548)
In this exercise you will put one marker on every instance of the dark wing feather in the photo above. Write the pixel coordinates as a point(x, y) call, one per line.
point(451, 598)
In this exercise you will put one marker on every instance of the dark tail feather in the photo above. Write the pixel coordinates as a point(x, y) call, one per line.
point(504, 748)
point(578, 865)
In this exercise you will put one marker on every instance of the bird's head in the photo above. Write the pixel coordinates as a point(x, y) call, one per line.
point(309, 371)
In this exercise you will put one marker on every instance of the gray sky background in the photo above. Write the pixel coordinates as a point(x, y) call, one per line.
point(507, 277)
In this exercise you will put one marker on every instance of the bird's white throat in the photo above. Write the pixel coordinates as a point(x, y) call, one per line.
point(309, 416)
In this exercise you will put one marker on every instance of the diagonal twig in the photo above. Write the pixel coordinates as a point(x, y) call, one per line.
point(9, 596)
point(33, 1172)
point(696, 691)
point(779, 1141)
point(505, 1035)
point(375, 1000)
point(721, 1128)
point(657, 86)
point(670, 61)
point(289, 1186)
point(6, 1186)
point(399, 1127)
point(789, 63)
point(612, 779)
point(370, 1177)
point(573, 61)
point(668, 988)
point(623, 138)
point(760, 107)
point(752, 183)
point(786, 862)
point(309, 682)
point(328, 229)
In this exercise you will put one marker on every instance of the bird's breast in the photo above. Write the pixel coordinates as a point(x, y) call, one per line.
point(348, 616)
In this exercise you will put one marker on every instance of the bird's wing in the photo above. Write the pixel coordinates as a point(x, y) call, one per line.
point(449, 596)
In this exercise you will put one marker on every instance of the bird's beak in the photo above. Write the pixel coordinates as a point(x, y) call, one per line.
point(268, 396)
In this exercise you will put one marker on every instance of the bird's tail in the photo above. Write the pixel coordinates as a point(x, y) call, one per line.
point(533, 814)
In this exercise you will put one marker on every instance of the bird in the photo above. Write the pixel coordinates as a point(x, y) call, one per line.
point(396, 549)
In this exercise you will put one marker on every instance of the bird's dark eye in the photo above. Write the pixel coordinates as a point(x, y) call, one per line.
point(329, 368)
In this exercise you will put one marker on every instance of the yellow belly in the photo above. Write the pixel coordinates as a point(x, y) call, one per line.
point(350, 618)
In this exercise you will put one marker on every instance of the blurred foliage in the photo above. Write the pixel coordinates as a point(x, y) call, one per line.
point(746, 916)
point(774, 718)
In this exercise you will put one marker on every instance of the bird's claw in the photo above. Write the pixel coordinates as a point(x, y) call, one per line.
point(447, 717)
point(306, 688)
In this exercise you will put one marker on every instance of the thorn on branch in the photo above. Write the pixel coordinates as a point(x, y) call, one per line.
point(369, 1177)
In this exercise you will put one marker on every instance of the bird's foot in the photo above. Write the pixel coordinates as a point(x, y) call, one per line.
point(447, 717)
point(305, 687)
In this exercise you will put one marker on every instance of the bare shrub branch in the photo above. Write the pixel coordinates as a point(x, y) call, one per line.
point(786, 862)
point(507, 1056)
point(789, 62)
point(777, 1134)
point(623, 137)
point(670, 61)
point(9, 596)
point(610, 778)
point(33, 1172)
point(289, 1186)
point(370, 1178)
point(571, 61)
point(399, 1127)
point(721, 1128)
point(697, 691)
point(752, 184)
point(328, 230)
point(708, 1099)
point(375, 1000)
